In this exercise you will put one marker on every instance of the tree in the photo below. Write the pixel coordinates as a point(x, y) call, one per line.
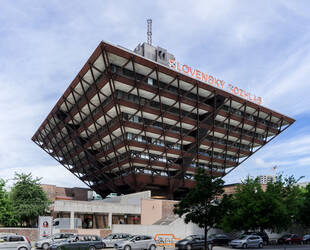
point(7, 218)
point(274, 209)
point(245, 207)
point(200, 205)
point(28, 198)
point(304, 209)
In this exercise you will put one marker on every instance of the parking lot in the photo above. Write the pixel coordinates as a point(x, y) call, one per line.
point(274, 247)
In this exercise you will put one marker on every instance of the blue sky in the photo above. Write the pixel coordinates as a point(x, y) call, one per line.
point(260, 46)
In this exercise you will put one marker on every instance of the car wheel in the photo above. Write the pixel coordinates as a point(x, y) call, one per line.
point(244, 245)
point(290, 243)
point(210, 246)
point(104, 245)
point(45, 246)
point(152, 247)
point(127, 247)
point(91, 248)
point(260, 245)
point(22, 248)
point(188, 247)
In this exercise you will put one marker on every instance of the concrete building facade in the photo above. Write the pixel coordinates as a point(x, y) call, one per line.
point(265, 179)
point(139, 120)
point(103, 213)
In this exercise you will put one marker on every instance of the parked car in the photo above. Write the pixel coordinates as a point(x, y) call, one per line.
point(219, 239)
point(111, 239)
point(246, 241)
point(263, 235)
point(306, 239)
point(13, 242)
point(136, 242)
point(46, 242)
point(193, 242)
point(290, 239)
point(81, 242)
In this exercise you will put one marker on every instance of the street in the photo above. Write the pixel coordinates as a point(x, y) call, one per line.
point(273, 247)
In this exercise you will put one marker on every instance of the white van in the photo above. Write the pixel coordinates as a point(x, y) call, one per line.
point(65, 223)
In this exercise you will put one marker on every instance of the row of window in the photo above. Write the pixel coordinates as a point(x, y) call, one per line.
point(162, 85)
point(131, 136)
point(138, 119)
point(189, 115)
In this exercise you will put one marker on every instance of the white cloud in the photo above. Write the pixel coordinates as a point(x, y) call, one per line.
point(44, 45)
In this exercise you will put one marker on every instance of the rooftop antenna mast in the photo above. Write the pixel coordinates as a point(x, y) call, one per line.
point(149, 31)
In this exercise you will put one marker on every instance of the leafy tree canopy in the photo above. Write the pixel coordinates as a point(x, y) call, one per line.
point(200, 205)
point(7, 218)
point(304, 211)
point(28, 198)
point(252, 208)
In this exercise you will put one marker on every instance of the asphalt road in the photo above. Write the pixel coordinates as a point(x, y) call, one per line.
point(275, 247)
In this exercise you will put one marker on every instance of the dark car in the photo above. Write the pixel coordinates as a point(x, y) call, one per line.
point(219, 239)
point(263, 235)
point(81, 242)
point(193, 242)
point(290, 239)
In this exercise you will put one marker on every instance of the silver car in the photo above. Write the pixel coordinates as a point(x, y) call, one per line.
point(246, 241)
point(111, 239)
point(16, 242)
point(46, 242)
point(136, 242)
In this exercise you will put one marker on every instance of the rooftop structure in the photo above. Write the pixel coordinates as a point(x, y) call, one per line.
point(134, 121)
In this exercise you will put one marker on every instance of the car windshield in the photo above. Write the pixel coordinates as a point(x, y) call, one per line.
point(189, 237)
point(212, 235)
point(307, 235)
point(241, 237)
point(71, 238)
point(110, 236)
point(286, 236)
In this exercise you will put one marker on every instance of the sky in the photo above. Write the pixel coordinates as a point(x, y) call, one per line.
point(261, 46)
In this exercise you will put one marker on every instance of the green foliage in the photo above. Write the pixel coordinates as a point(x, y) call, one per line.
point(200, 205)
point(252, 208)
point(197, 205)
point(304, 217)
point(7, 218)
point(244, 207)
point(28, 199)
